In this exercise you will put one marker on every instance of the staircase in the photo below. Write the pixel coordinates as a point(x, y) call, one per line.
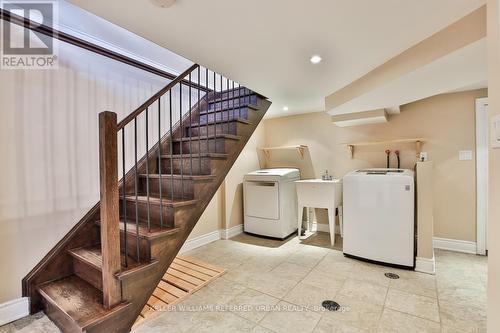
point(172, 153)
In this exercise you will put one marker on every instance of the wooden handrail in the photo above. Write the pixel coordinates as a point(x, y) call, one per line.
point(67, 38)
point(155, 97)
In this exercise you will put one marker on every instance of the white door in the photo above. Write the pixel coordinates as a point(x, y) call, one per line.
point(482, 146)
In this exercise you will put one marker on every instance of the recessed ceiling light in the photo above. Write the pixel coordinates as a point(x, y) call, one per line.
point(315, 59)
point(163, 3)
point(285, 108)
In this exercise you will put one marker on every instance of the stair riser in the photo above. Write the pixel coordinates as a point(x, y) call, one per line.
point(144, 247)
point(186, 187)
point(158, 248)
point(212, 145)
point(206, 167)
point(232, 103)
point(225, 128)
point(93, 275)
point(88, 273)
point(154, 212)
point(233, 92)
point(224, 115)
point(61, 319)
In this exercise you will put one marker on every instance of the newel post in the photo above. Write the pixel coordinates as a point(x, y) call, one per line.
point(110, 228)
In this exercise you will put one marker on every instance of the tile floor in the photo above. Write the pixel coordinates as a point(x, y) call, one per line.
point(278, 286)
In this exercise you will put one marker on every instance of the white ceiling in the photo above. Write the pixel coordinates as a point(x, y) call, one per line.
point(266, 44)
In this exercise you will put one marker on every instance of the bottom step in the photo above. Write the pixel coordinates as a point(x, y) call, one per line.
point(74, 305)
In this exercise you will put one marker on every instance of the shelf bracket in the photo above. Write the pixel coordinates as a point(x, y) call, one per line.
point(267, 153)
point(418, 145)
point(301, 152)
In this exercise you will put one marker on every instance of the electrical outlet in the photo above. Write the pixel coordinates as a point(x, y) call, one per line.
point(465, 155)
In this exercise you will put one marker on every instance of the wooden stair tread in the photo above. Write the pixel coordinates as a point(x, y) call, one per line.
point(230, 108)
point(209, 137)
point(78, 300)
point(197, 155)
point(178, 176)
point(93, 256)
point(230, 98)
point(155, 231)
point(165, 202)
point(239, 120)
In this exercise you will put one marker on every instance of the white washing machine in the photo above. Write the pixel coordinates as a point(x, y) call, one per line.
point(379, 223)
point(270, 202)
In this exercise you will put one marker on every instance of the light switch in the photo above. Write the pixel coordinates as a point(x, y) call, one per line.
point(465, 155)
point(495, 131)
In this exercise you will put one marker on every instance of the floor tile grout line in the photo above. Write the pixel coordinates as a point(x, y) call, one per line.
point(414, 316)
point(383, 306)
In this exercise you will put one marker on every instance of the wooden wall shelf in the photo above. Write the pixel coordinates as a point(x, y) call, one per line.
point(418, 144)
point(299, 148)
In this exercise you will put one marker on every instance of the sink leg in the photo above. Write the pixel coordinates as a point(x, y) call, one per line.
point(331, 224)
point(300, 214)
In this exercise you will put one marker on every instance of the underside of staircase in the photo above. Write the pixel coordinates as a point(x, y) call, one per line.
point(161, 198)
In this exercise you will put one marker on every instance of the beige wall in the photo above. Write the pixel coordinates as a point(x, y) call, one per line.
point(247, 161)
point(211, 219)
point(494, 182)
point(447, 121)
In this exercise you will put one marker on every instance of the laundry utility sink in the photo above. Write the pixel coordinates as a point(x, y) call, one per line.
point(320, 193)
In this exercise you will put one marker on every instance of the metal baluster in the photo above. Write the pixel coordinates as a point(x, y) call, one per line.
point(171, 148)
point(221, 112)
point(136, 189)
point(159, 163)
point(123, 197)
point(199, 125)
point(232, 105)
point(238, 104)
point(206, 115)
point(190, 135)
point(171, 135)
point(147, 167)
point(227, 98)
point(215, 113)
point(239, 101)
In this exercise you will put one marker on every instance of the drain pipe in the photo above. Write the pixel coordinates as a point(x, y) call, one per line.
point(388, 153)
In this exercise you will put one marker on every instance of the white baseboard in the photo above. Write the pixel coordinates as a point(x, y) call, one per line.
point(193, 243)
point(213, 236)
point(14, 310)
point(425, 265)
point(231, 232)
point(454, 245)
